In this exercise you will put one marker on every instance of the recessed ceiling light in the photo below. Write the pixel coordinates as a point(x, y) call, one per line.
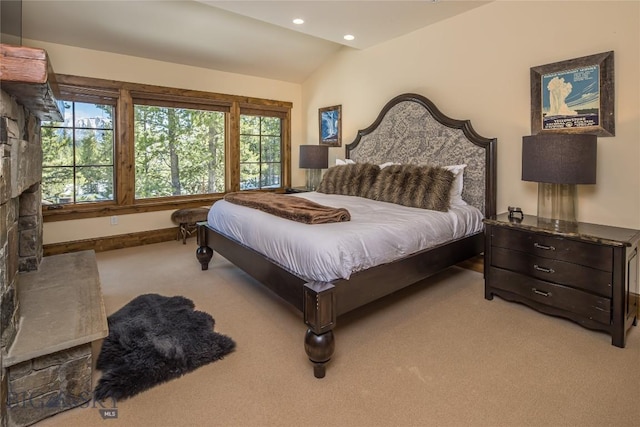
point(349, 37)
point(298, 21)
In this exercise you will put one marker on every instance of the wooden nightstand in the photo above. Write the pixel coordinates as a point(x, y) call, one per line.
point(585, 274)
point(292, 190)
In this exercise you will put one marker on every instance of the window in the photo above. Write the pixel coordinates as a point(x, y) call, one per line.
point(260, 152)
point(130, 148)
point(78, 164)
point(178, 151)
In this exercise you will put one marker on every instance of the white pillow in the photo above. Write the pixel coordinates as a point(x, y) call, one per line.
point(340, 162)
point(344, 162)
point(384, 165)
point(455, 196)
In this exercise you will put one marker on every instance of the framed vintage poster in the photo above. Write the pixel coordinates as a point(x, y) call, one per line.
point(330, 125)
point(574, 96)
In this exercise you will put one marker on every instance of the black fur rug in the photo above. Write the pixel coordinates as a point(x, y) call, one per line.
point(154, 339)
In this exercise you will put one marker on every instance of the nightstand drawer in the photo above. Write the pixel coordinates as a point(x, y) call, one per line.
point(560, 297)
point(588, 254)
point(551, 270)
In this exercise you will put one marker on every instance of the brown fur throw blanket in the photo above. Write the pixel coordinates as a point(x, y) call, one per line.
point(290, 207)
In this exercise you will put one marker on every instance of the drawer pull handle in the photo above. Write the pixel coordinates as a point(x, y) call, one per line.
point(545, 247)
point(544, 270)
point(543, 293)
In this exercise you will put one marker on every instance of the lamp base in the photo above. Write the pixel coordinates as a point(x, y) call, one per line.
point(557, 204)
point(313, 178)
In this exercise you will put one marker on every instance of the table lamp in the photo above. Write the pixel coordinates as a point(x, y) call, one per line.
point(313, 158)
point(558, 162)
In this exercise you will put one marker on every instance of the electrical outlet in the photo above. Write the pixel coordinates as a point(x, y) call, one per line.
point(114, 220)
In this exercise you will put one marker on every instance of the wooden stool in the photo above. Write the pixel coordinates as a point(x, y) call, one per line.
point(187, 219)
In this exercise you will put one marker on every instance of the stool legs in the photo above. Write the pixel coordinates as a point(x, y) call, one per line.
point(184, 232)
point(187, 219)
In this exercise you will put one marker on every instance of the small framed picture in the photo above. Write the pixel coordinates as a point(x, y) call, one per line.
point(574, 96)
point(330, 125)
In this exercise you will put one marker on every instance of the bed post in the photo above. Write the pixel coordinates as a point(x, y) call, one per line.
point(204, 253)
point(319, 313)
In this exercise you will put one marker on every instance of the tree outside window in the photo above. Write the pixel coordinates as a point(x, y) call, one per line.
point(178, 151)
point(260, 152)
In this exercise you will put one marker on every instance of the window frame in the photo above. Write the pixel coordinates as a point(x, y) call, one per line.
point(125, 95)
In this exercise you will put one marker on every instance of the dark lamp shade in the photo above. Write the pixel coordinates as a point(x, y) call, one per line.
point(559, 158)
point(314, 156)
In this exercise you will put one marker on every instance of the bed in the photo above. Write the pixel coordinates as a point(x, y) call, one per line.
point(409, 130)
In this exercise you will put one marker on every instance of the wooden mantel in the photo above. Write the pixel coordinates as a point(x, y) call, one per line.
point(26, 73)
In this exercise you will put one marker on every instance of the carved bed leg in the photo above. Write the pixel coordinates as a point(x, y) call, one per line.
point(204, 253)
point(320, 316)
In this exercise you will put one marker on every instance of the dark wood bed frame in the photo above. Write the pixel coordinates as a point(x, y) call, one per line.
point(322, 302)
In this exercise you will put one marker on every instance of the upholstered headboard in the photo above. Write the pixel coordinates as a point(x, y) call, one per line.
point(410, 129)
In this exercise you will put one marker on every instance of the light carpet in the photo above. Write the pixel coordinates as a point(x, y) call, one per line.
point(436, 354)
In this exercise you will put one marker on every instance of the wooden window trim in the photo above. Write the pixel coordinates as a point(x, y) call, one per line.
point(124, 95)
point(186, 105)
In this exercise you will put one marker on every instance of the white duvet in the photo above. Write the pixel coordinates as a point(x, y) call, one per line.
point(378, 233)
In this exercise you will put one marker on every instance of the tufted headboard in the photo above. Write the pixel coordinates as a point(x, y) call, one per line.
point(411, 130)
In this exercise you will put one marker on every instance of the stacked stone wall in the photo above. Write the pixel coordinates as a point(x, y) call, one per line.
point(20, 218)
point(47, 385)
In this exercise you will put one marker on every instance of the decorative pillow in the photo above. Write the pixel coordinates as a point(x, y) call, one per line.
point(456, 189)
point(340, 162)
point(425, 187)
point(384, 165)
point(349, 180)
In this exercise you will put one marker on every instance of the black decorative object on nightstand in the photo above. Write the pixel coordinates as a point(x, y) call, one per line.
point(585, 273)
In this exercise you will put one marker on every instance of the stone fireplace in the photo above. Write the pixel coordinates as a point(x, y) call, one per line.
point(51, 308)
point(20, 214)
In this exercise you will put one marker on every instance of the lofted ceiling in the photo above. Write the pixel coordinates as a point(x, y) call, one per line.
point(256, 38)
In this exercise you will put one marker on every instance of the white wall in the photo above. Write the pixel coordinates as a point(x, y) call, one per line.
point(96, 64)
point(476, 66)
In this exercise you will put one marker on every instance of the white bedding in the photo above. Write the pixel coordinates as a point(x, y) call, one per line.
point(378, 233)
